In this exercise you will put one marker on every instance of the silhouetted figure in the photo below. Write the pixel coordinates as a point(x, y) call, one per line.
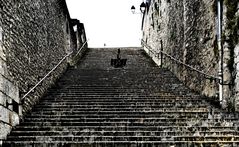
point(118, 62)
point(118, 55)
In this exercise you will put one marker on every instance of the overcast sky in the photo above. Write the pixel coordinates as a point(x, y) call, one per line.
point(108, 21)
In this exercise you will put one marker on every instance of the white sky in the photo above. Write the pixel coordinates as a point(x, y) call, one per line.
point(108, 21)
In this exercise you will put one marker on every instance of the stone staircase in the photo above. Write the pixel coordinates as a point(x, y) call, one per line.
point(139, 105)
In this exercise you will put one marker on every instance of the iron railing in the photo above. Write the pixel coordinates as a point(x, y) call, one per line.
point(161, 53)
point(59, 63)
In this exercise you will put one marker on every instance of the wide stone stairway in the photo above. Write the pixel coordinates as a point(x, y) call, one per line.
point(139, 105)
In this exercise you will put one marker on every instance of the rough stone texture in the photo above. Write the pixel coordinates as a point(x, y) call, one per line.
point(187, 30)
point(237, 77)
point(34, 37)
point(33, 41)
point(8, 116)
point(4, 129)
point(8, 119)
point(231, 44)
point(9, 89)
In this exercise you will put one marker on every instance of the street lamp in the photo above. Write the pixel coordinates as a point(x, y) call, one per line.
point(133, 9)
point(142, 8)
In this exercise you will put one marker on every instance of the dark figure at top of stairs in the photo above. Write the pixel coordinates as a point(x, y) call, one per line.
point(118, 62)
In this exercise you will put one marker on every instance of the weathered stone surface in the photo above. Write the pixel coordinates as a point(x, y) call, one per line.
point(9, 89)
point(4, 113)
point(236, 59)
point(3, 68)
point(8, 116)
point(13, 118)
point(187, 30)
point(34, 37)
point(4, 129)
point(3, 99)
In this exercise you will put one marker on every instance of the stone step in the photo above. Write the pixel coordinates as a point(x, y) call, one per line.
point(142, 103)
point(95, 116)
point(102, 124)
point(126, 133)
point(127, 124)
point(132, 95)
point(93, 138)
point(79, 100)
point(153, 96)
point(128, 128)
point(112, 106)
point(144, 112)
point(132, 108)
point(141, 94)
point(105, 116)
point(134, 89)
point(118, 105)
point(120, 143)
point(118, 90)
point(130, 119)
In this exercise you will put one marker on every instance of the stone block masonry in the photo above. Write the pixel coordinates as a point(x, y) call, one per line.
point(187, 30)
point(34, 37)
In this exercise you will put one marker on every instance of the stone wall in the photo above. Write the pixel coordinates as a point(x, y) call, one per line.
point(34, 37)
point(187, 30)
point(231, 49)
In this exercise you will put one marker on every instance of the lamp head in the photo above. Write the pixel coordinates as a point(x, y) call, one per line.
point(133, 9)
point(142, 7)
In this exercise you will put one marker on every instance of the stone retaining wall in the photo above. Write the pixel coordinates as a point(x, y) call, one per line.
point(34, 37)
point(187, 30)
